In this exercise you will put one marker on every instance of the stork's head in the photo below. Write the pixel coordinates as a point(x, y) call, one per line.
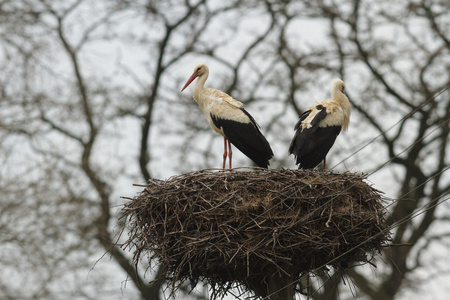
point(337, 85)
point(199, 70)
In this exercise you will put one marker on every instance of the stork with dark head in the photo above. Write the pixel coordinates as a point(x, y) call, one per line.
point(227, 117)
point(319, 127)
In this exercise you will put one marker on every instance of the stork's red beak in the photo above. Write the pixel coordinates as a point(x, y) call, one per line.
point(193, 76)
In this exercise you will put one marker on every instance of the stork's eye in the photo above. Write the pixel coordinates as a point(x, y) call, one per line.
point(198, 69)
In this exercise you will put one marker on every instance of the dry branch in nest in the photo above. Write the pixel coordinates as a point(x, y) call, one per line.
point(255, 226)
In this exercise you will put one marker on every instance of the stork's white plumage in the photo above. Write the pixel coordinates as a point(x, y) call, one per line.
point(227, 117)
point(319, 127)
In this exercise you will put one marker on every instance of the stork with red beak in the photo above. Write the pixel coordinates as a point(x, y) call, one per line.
point(319, 127)
point(227, 117)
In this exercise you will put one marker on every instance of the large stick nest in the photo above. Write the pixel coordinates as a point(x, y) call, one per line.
point(238, 227)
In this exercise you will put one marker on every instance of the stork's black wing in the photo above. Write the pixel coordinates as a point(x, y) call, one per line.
point(247, 138)
point(311, 144)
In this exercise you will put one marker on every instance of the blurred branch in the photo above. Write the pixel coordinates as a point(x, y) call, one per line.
point(151, 98)
point(253, 45)
point(431, 17)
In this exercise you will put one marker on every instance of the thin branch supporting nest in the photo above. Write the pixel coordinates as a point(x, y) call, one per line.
point(260, 229)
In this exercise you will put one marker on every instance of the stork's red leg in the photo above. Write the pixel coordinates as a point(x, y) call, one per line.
point(224, 152)
point(230, 153)
point(324, 162)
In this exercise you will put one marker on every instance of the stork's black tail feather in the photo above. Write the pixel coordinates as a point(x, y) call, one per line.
point(247, 138)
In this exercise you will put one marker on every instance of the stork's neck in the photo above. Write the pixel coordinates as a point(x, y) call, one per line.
point(199, 87)
point(339, 96)
point(342, 99)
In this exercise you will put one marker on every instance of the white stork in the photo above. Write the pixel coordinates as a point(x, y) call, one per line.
point(227, 117)
point(319, 127)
